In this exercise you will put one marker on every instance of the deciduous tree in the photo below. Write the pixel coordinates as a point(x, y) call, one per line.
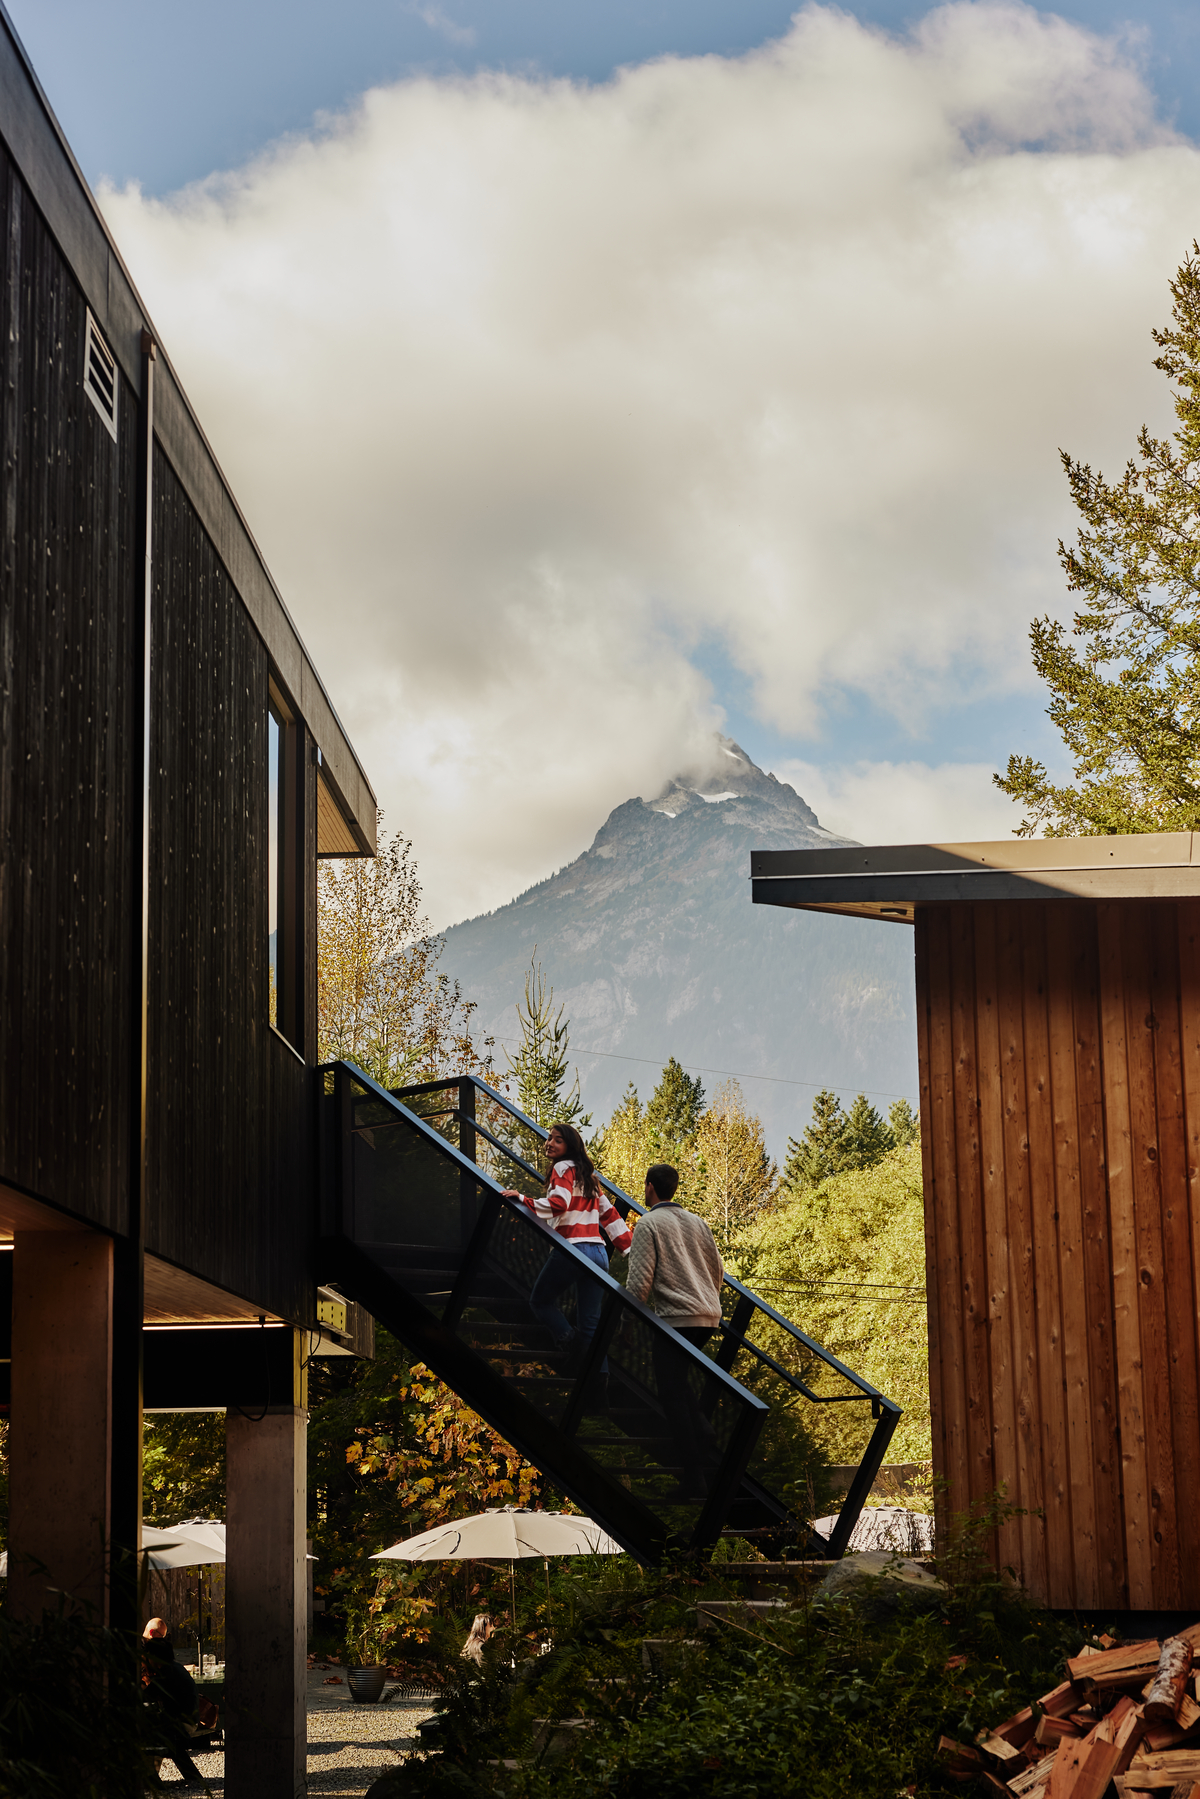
point(381, 999)
point(736, 1176)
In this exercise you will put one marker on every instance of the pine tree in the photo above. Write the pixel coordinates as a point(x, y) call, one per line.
point(1127, 702)
point(674, 1112)
point(903, 1123)
point(540, 1066)
point(866, 1139)
point(817, 1153)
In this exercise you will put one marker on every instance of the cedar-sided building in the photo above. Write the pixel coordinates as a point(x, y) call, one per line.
point(171, 768)
point(1058, 1016)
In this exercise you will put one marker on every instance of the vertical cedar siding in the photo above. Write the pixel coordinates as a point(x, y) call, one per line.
point(1059, 1047)
point(67, 747)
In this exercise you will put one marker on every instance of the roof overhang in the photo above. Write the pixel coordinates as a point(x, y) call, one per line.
point(889, 881)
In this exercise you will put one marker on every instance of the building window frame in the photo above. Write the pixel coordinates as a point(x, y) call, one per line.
point(284, 868)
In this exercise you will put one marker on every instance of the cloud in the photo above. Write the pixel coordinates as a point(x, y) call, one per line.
point(904, 802)
point(535, 390)
point(436, 20)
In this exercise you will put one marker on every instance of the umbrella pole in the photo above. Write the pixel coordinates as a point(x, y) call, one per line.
point(549, 1607)
point(512, 1575)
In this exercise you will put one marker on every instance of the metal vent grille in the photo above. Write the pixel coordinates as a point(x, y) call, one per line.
point(100, 376)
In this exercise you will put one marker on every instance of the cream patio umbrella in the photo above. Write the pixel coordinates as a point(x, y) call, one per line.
point(506, 1534)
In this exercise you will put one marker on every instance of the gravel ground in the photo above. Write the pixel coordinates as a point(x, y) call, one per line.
point(349, 1745)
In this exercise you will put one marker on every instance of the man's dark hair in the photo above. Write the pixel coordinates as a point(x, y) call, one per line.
point(664, 1179)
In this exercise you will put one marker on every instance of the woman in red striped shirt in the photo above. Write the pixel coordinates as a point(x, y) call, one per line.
point(576, 1207)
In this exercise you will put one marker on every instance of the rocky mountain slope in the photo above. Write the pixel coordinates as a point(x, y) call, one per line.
point(652, 944)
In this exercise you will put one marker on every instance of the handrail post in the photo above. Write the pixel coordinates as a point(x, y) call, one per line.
point(734, 1334)
point(864, 1480)
point(343, 1100)
point(467, 1202)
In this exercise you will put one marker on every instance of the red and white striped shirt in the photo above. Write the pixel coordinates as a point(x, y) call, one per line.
point(567, 1209)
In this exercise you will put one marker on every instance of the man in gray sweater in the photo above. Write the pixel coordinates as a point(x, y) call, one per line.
point(675, 1267)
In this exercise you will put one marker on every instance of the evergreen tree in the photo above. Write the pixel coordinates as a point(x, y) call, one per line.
point(1127, 702)
point(540, 1067)
point(835, 1140)
point(817, 1153)
point(674, 1112)
point(866, 1139)
point(904, 1124)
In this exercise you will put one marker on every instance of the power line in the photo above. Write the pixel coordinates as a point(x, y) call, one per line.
point(732, 1074)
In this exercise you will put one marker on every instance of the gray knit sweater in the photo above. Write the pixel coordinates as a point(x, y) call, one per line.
point(675, 1266)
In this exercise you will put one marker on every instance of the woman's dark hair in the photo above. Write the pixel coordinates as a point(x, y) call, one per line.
point(585, 1171)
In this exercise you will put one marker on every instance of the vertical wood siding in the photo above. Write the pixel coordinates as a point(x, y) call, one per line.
point(1059, 1048)
point(66, 740)
point(230, 1179)
point(231, 1158)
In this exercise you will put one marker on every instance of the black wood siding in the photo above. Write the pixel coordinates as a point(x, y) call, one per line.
point(230, 1158)
point(66, 740)
point(230, 1169)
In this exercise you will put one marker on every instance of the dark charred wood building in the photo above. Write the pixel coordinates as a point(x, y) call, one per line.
point(1058, 1017)
point(171, 768)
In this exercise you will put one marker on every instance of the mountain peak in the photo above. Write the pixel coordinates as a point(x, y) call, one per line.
point(730, 775)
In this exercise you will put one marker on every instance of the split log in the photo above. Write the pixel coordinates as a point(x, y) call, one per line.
point(1172, 1731)
point(962, 1762)
point(1030, 1780)
point(1129, 1730)
point(1123, 1661)
point(1170, 1680)
point(1052, 1730)
point(996, 1747)
point(1168, 1769)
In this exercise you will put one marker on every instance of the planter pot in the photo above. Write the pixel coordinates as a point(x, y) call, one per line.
point(366, 1683)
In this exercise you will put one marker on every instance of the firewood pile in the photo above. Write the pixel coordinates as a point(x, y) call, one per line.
point(1126, 1720)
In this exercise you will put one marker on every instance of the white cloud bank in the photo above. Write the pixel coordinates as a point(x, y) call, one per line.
point(531, 388)
point(904, 802)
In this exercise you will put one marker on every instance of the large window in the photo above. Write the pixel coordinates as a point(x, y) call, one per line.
point(284, 878)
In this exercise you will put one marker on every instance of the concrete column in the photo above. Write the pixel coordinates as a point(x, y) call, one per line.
point(61, 1422)
point(266, 1637)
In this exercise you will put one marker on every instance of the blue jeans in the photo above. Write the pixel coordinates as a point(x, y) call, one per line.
point(553, 1281)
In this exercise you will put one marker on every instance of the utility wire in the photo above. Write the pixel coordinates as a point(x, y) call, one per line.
point(732, 1074)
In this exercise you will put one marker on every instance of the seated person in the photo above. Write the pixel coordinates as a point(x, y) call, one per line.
point(170, 1689)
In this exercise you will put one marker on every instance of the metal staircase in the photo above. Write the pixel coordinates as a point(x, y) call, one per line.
point(674, 1445)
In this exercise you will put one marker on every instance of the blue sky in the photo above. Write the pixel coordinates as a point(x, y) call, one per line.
point(165, 91)
point(763, 434)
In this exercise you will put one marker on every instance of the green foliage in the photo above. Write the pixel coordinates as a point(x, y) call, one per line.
point(70, 1712)
point(826, 1699)
point(835, 1140)
point(1126, 701)
point(392, 1451)
point(904, 1124)
point(673, 1114)
point(540, 1067)
point(183, 1466)
point(846, 1260)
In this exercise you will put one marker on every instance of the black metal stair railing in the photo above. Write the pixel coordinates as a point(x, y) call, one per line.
point(650, 1436)
point(766, 1353)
